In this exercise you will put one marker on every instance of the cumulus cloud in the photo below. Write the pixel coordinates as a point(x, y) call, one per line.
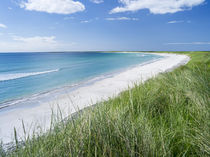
point(97, 1)
point(156, 6)
point(121, 19)
point(53, 6)
point(3, 25)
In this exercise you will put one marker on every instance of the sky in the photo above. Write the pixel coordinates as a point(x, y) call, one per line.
point(104, 25)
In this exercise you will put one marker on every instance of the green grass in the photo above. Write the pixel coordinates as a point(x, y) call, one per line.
point(166, 116)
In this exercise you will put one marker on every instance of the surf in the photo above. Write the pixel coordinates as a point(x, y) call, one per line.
point(6, 77)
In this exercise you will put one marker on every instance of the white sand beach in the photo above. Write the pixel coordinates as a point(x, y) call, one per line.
point(40, 115)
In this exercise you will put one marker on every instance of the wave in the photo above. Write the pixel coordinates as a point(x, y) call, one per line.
point(46, 96)
point(5, 77)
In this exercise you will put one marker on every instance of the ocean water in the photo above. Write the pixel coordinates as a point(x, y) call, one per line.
point(26, 75)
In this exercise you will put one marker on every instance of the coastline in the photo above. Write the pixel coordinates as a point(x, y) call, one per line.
point(46, 96)
point(85, 96)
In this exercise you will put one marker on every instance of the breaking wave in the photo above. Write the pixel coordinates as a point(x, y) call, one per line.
point(5, 77)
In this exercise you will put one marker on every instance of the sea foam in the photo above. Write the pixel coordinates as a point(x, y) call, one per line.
point(5, 77)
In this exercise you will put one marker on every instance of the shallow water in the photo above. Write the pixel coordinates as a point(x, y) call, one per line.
point(23, 75)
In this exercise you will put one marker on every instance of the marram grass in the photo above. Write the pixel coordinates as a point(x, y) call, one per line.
point(166, 116)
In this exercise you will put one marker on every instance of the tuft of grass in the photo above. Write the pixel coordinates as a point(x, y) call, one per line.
point(166, 116)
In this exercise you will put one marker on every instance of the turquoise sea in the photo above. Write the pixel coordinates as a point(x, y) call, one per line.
point(27, 76)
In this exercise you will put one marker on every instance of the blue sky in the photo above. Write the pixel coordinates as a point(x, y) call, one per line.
point(104, 25)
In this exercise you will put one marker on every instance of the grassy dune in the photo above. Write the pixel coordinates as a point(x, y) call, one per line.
point(166, 116)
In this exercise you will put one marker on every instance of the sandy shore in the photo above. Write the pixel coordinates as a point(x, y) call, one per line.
point(40, 115)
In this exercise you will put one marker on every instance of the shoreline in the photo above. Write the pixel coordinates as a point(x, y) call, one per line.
point(44, 96)
point(85, 96)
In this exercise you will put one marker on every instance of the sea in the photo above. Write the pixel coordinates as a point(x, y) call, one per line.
point(31, 77)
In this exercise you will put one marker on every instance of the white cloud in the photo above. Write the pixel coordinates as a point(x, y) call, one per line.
point(190, 43)
point(97, 1)
point(90, 20)
point(36, 39)
point(85, 21)
point(156, 6)
point(53, 6)
point(34, 44)
point(180, 21)
point(121, 19)
point(172, 22)
point(3, 25)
